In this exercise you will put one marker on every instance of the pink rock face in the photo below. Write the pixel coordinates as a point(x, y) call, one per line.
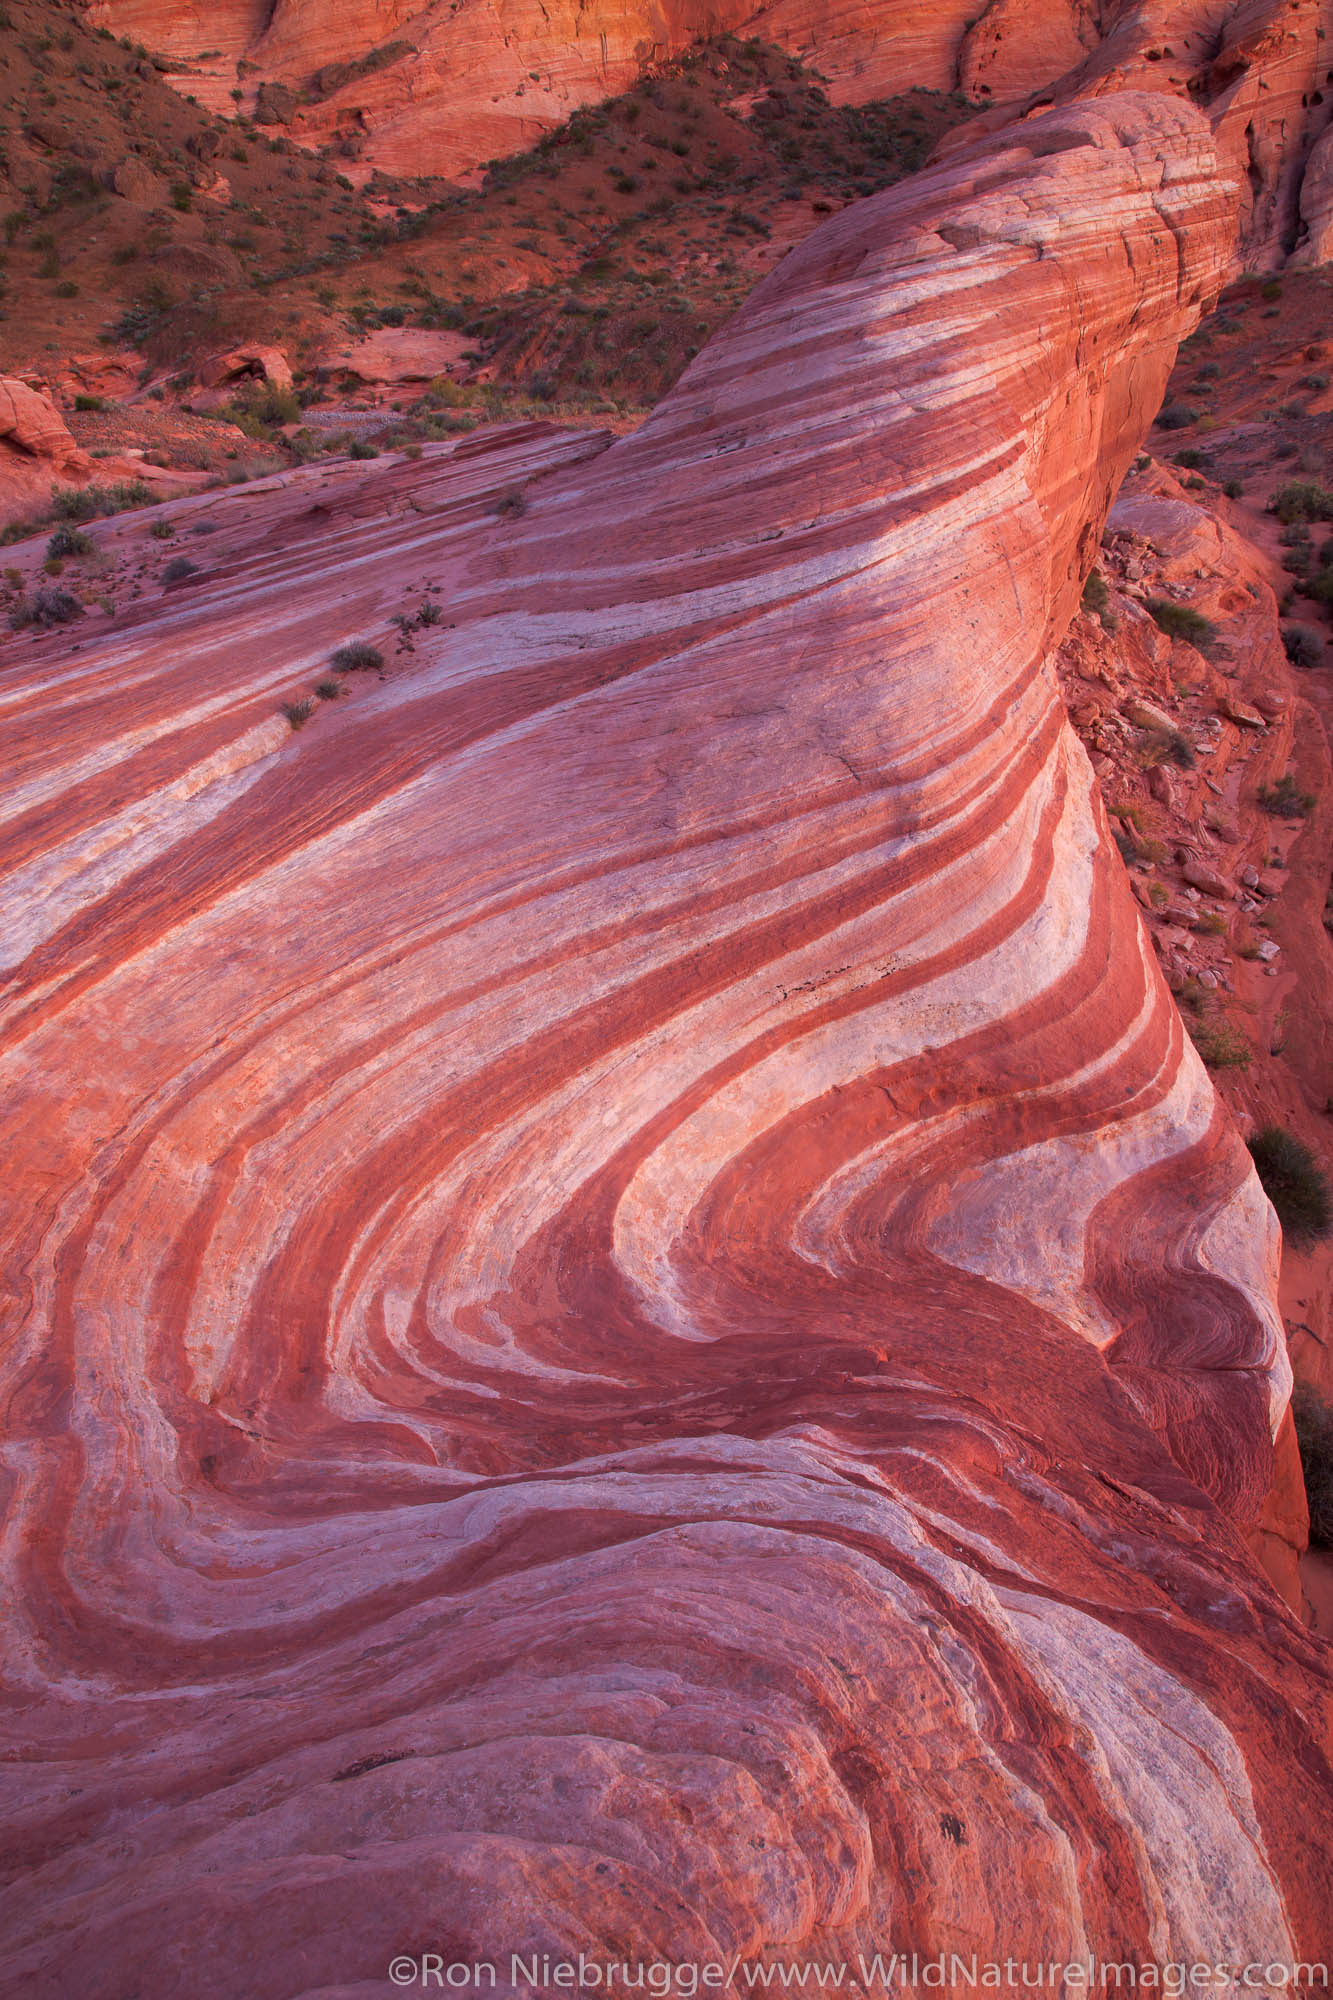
point(473, 81)
point(31, 424)
point(35, 449)
point(634, 1327)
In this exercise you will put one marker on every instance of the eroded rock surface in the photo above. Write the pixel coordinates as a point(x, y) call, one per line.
point(438, 86)
point(36, 449)
point(637, 1327)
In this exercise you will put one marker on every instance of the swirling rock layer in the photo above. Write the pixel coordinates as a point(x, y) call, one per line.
point(635, 1327)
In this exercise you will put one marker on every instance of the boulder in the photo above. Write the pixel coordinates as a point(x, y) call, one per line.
point(397, 354)
point(1241, 713)
point(1147, 715)
point(267, 364)
point(1200, 876)
point(133, 181)
point(36, 450)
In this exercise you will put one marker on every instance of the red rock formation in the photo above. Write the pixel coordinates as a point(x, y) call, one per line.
point(437, 86)
point(636, 1327)
point(468, 81)
point(36, 450)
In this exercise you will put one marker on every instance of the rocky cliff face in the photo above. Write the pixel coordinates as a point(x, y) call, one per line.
point(638, 1328)
point(435, 88)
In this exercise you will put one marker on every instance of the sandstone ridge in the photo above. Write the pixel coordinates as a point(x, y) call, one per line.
point(639, 1329)
point(422, 86)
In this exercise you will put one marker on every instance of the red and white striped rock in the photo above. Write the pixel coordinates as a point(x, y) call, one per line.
point(634, 1326)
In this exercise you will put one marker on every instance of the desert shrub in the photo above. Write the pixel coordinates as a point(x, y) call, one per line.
point(1303, 647)
point(328, 689)
point(1313, 1419)
point(510, 505)
point(357, 657)
point(182, 197)
point(430, 613)
point(361, 448)
point(1233, 489)
point(178, 569)
point(162, 531)
point(1285, 799)
point(1219, 1042)
point(261, 407)
point(44, 608)
point(1295, 1184)
point(298, 713)
point(87, 503)
point(1302, 500)
point(1192, 460)
point(1097, 597)
point(1181, 621)
point(1176, 417)
point(68, 541)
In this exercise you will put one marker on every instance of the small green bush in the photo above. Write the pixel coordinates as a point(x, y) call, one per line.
point(357, 657)
point(162, 531)
point(298, 713)
point(88, 503)
point(361, 448)
point(1313, 1419)
point(1176, 417)
point(68, 541)
point(178, 569)
point(89, 403)
point(328, 689)
point(1285, 799)
point(45, 608)
point(510, 505)
point(1303, 647)
point(1221, 1045)
point(1181, 621)
point(1302, 500)
point(1096, 595)
point(1295, 1184)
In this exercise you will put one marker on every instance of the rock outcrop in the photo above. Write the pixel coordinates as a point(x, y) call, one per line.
point(438, 86)
point(637, 1329)
point(36, 450)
